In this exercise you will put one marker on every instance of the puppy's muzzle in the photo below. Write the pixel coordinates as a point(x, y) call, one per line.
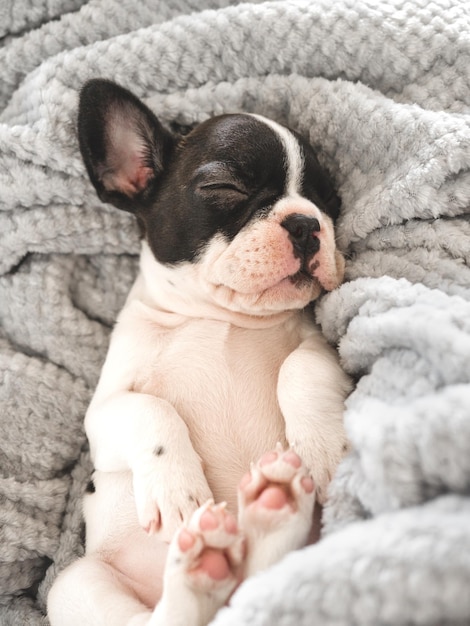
point(303, 231)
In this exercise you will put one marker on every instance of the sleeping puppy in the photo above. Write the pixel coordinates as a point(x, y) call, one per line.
point(216, 376)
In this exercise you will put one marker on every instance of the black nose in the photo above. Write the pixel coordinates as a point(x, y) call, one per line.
point(302, 229)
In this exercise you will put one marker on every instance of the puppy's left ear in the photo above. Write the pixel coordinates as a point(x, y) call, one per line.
point(123, 145)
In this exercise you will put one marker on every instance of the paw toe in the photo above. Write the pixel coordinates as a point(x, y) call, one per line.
point(208, 520)
point(308, 484)
point(292, 458)
point(186, 540)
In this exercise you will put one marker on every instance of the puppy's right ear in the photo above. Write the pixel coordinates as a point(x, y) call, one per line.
point(123, 145)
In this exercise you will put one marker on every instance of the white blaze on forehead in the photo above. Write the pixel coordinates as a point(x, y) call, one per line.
point(294, 159)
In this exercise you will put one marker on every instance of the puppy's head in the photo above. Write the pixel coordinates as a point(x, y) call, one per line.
point(238, 212)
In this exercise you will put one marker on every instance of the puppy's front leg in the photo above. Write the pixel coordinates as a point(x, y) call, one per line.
point(312, 388)
point(145, 434)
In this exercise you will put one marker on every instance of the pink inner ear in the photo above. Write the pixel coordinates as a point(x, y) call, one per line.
point(126, 170)
point(130, 181)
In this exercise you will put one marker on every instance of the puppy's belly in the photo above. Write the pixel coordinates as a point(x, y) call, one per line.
point(222, 380)
point(230, 434)
point(227, 453)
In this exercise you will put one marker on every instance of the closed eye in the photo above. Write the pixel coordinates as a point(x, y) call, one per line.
point(223, 186)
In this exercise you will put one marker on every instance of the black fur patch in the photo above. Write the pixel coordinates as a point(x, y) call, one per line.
point(228, 171)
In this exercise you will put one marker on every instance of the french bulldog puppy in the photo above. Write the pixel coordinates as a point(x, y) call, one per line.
point(217, 420)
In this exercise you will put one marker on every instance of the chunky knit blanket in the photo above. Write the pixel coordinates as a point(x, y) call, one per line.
point(381, 88)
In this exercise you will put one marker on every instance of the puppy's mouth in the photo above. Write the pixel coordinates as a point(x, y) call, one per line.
point(301, 279)
point(304, 277)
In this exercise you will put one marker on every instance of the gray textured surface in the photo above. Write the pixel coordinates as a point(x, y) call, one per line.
point(382, 89)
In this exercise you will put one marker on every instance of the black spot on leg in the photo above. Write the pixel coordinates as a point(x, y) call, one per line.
point(159, 450)
point(90, 488)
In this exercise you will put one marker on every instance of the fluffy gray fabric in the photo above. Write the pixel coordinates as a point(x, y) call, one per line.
point(382, 90)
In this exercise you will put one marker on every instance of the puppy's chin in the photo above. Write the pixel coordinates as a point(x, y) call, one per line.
point(291, 293)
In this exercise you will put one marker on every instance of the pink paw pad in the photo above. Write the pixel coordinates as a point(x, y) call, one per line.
point(268, 458)
point(293, 459)
point(308, 484)
point(214, 564)
point(273, 497)
point(211, 520)
point(278, 481)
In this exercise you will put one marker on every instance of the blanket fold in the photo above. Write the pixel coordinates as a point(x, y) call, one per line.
point(381, 88)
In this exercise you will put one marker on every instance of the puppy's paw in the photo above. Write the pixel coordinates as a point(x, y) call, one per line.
point(276, 489)
point(206, 554)
point(322, 458)
point(167, 495)
point(276, 500)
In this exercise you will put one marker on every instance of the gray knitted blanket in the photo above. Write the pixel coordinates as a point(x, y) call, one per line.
point(382, 90)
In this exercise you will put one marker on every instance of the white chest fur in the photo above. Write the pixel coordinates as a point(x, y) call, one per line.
point(221, 379)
